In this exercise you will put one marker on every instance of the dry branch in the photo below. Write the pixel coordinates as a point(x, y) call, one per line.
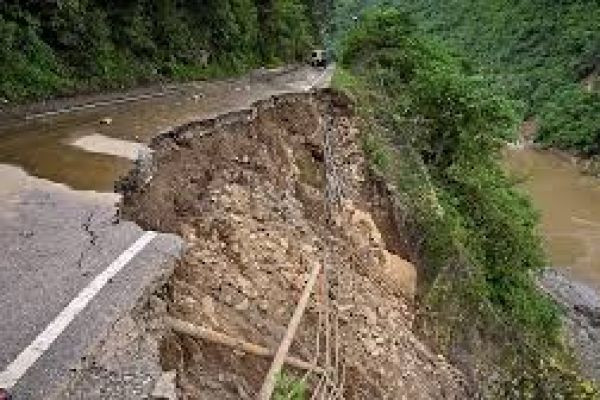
point(269, 384)
point(199, 332)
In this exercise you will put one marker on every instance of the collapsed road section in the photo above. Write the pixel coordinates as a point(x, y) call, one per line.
point(60, 238)
point(250, 194)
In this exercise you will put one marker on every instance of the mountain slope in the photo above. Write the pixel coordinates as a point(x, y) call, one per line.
point(61, 47)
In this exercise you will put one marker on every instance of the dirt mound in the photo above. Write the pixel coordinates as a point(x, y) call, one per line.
point(247, 193)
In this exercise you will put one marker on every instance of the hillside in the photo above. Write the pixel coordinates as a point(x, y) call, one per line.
point(60, 47)
point(545, 54)
point(434, 129)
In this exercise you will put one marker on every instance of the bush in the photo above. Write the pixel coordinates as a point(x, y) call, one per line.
point(572, 121)
point(435, 130)
point(535, 50)
point(59, 47)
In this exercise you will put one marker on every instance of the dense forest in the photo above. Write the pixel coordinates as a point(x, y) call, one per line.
point(545, 54)
point(56, 47)
point(434, 126)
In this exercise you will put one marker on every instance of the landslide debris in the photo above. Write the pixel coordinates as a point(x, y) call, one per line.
point(246, 192)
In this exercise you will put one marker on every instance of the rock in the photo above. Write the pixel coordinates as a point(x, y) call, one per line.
point(106, 121)
point(399, 274)
point(242, 393)
point(263, 305)
point(363, 230)
point(165, 388)
point(370, 316)
point(185, 139)
point(144, 167)
point(243, 306)
point(208, 309)
point(581, 318)
point(246, 287)
point(371, 347)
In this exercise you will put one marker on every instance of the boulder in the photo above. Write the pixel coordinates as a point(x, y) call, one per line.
point(165, 388)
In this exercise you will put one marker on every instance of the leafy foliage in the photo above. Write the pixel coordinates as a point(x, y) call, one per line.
point(572, 121)
point(61, 46)
point(538, 51)
point(436, 129)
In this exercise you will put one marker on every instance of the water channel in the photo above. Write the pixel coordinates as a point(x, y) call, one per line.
point(569, 204)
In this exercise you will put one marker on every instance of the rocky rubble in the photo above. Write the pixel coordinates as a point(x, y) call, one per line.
point(247, 196)
point(581, 306)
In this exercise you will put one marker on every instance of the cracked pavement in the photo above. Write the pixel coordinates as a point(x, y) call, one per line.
point(54, 241)
point(58, 223)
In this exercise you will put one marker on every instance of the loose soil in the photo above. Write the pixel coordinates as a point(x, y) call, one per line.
point(246, 192)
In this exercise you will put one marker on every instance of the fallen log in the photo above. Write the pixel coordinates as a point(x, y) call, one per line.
point(203, 333)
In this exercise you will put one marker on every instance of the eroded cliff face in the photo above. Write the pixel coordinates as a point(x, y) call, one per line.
point(246, 192)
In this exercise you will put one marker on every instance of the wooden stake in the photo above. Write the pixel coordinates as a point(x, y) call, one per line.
point(269, 384)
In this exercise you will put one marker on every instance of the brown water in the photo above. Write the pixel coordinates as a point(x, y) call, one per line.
point(77, 150)
point(70, 149)
point(569, 203)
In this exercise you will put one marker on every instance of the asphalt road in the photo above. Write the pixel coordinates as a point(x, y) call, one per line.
point(58, 231)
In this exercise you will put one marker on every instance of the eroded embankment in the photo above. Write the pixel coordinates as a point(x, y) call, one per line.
point(246, 192)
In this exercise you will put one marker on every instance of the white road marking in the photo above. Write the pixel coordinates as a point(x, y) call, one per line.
point(318, 80)
point(15, 370)
point(307, 86)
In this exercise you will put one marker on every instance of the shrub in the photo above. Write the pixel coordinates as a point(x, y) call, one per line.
point(435, 130)
point(57, 47)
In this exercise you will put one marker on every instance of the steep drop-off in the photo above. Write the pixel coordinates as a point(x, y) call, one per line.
point(246, 192)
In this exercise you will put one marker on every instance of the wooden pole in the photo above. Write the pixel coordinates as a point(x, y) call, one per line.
point(269, 383)
point(206, 334)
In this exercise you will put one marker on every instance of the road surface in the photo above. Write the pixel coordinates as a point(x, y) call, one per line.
point(69, 267)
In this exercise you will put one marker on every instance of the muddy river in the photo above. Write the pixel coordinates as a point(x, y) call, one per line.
point(569, 203)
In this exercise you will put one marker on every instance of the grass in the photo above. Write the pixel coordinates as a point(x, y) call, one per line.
point(290, 388)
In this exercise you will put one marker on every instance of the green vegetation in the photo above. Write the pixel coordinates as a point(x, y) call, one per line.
point(290, 388)
point(60, 47)
point(435, 129)
point(571, 120)
point(537, 51)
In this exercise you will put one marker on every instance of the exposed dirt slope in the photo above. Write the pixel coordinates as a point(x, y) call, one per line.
point(246, 193)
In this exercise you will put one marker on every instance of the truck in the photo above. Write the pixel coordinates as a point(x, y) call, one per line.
point(318, 58)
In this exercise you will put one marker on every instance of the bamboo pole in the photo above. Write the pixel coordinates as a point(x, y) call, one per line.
point(269, 383)
point(199, 332)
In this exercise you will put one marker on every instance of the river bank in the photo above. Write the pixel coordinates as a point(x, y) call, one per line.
point(568, 199)
point(569, 206)
point(581, 306)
